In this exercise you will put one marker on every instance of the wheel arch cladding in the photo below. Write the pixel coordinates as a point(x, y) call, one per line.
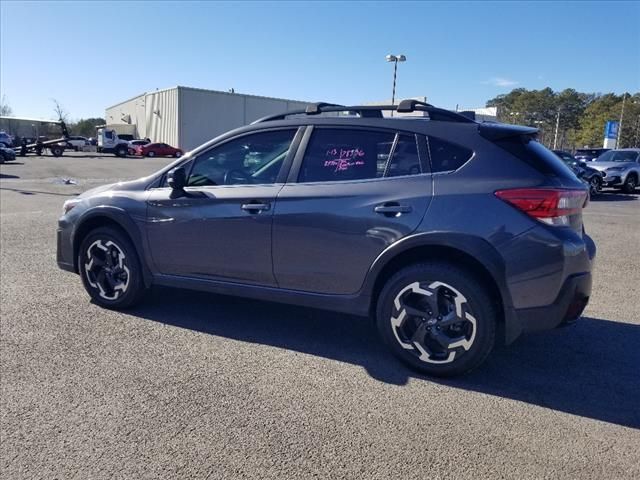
point(120, 222)
point(487, 271)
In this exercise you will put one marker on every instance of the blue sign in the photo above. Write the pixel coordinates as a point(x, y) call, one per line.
point(611, 130)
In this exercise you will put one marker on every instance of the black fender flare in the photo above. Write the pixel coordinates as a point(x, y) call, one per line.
point(120, 217)
point(477, 248)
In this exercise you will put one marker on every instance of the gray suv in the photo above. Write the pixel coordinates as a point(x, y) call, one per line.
point(621, 168)
point(450, 234)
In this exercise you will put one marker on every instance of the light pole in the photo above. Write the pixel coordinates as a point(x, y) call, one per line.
point(395, 59)
point(624, 97)
point(555, 137)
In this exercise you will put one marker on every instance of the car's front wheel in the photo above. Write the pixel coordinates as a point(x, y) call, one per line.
point(595, 185)
point(630, 183)
point(151, 154)
point(110, 269)
point(437, 318)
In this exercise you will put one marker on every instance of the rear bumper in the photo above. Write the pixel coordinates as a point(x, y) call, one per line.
point(549, 279)
point(567, 307)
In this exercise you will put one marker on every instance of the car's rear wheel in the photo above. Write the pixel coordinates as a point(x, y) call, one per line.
point(110, 269)
point(151, 154)
point(630, 183)
point(437, 319)
point(178, 154)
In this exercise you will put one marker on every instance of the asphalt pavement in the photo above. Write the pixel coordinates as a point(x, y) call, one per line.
point(190, 385)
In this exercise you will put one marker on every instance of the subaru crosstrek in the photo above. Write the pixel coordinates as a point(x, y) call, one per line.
point(451, 234)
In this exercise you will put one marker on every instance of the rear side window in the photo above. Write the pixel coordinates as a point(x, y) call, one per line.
point(446, 156)
point(344, 154)
point(537, 155)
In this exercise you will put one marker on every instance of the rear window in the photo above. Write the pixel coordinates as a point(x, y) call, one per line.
point(536, 155)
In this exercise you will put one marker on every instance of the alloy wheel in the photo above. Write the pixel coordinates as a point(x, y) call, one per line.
point(433, 321)
point(106, 269)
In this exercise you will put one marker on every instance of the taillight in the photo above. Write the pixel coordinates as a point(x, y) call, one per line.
point(552, 206)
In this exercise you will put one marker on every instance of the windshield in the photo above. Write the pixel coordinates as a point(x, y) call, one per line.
point(618, 156)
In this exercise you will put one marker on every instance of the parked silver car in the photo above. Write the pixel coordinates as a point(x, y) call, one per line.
point(621, 168)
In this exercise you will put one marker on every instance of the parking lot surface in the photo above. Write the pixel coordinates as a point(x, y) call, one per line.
point(190, 385)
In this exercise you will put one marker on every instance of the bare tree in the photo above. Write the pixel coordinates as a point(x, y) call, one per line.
point(60, 112)
point(5, 109)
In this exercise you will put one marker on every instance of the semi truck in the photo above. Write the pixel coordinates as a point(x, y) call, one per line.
point(109, 142)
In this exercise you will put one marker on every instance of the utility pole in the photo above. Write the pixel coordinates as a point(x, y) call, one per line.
point(555, 138)
point(624, 97)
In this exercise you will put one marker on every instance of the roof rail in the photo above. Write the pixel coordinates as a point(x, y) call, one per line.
point(373, 111)
point(316, 108)
point(406, 106)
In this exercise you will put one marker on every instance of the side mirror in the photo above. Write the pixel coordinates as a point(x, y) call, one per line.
point(177, 178)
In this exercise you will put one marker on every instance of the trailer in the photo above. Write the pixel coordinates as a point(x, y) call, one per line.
point(56, 147)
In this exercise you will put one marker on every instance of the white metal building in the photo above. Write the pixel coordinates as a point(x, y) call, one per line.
point(186, 117)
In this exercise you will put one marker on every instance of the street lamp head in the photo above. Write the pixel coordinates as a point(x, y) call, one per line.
point(396, 58)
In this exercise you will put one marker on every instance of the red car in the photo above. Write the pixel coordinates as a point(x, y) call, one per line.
point(157, 149)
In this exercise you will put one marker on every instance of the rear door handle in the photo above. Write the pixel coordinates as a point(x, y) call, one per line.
point(392, 209)
point(255, 206)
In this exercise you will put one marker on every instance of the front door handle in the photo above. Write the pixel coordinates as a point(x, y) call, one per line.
point(392, 209)
point(255, 206)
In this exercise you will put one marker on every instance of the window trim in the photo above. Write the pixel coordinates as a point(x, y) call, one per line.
point(294, 172)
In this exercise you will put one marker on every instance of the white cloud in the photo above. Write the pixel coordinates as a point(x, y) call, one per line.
point(500, 82)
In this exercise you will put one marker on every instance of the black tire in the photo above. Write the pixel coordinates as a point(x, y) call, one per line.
point(57, 151)
point(121, 152)
point(471, 326)
point(120, 285)
point(595, 185)
point(151, 154)
point(630, 183)
point(178, 154)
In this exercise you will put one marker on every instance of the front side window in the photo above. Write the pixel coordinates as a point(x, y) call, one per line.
point(251, 159)
point(336, 154)
point(618, 156)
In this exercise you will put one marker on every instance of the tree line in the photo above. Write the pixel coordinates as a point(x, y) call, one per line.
point(580, 118)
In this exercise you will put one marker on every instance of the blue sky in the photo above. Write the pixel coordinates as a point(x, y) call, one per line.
point(90, 55)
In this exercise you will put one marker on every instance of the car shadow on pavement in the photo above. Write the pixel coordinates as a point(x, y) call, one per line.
point(38, 192)
point(5, 175)
point(614, 197)
point(590, 369)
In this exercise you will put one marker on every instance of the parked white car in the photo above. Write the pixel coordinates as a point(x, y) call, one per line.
point(78, 142)
point(134, 143)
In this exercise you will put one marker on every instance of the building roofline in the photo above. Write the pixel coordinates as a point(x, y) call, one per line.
point(241, 94)
point(182, 87)
point(125, 101)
